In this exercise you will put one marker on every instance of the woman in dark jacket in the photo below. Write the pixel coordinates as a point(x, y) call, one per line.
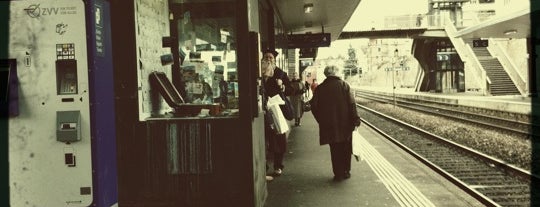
point(334, 109)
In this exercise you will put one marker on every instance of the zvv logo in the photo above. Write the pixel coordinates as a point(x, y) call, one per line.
point(35, 11)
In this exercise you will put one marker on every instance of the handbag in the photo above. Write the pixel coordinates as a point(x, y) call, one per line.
point(307, 106)
point(287, 109)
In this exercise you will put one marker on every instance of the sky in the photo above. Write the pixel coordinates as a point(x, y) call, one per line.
point(371, 12)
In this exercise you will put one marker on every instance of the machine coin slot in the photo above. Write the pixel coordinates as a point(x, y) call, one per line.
point(70, 159)
point(68, 126)
point(68, 100)
point(66, 76)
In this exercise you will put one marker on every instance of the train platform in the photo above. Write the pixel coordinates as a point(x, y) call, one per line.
point(384, 176)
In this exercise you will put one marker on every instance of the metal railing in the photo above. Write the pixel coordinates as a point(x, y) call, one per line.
point(431, 21)
point(414, 22)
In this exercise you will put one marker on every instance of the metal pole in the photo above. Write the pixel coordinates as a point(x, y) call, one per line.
point(393, 82)
point(393, 87)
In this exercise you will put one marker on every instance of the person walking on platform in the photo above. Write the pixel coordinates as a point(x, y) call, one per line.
point(307, 86)
point(334, 109)
point(275, 81)
point(296, 98)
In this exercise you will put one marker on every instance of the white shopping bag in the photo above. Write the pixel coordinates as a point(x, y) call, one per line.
point(280, 123)
point(356, 138)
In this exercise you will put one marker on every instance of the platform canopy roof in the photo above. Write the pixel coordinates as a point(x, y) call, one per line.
point(513, 25)
point(332, 15)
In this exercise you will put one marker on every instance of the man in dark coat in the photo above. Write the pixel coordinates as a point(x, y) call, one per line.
point(334, 109)
point(279, 82)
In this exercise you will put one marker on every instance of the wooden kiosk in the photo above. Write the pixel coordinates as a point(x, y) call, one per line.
point(190, 133)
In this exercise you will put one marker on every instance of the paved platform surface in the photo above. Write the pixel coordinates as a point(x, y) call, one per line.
point(386, 176)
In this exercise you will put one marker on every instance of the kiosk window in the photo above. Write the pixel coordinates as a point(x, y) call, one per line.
point(207, 44)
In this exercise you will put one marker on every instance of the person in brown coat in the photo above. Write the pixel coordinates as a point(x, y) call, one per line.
point(334, 109)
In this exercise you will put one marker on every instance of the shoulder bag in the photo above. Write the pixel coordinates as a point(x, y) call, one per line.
point(287, 109)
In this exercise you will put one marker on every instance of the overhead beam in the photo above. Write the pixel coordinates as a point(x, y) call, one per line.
point(379, 34)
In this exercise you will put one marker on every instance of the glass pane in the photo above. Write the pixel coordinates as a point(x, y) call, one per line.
point(207, 44)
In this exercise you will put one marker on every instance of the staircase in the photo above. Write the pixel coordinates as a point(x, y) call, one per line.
point(501, 84)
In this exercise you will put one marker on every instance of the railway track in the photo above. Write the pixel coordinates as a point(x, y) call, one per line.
point(491, 181)
point(514, 127)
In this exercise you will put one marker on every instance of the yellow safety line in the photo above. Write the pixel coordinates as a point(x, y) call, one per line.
point(405, 193)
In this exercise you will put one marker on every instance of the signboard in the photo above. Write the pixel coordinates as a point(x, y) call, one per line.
point(308, 52)
point(480, 43)
point(443, 57)
point(308, 40)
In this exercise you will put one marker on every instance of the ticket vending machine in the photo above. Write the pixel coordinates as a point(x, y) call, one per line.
point(61, 136)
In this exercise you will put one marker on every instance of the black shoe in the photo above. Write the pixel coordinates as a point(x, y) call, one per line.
point(338, 178)
point(347, 175)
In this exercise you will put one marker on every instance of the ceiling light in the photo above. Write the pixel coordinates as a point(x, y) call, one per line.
point(308, 8)
point(510, 32)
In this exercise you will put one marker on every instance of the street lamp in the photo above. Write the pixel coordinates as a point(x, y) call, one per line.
point(393, 82)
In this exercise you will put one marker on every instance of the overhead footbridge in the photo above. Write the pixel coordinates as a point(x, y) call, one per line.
point(457, 55)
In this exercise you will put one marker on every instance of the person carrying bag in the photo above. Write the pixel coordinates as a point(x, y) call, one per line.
point(275, 83)
point(334, 109)
point(306, 97)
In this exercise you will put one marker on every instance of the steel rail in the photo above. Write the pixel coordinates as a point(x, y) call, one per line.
point(508, 168)
point(525, 133)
